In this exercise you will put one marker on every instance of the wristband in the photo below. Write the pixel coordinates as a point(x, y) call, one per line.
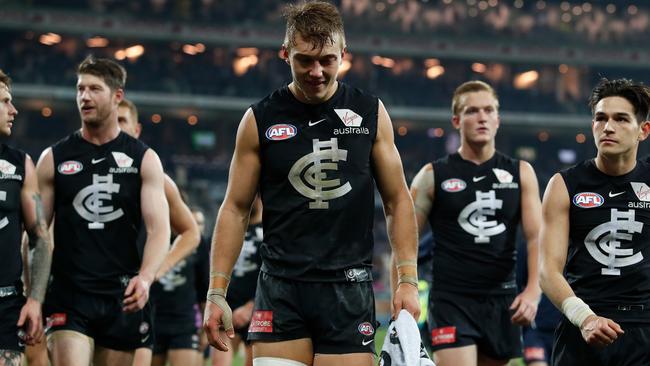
point(217, 296)
point(576, 310)
point(219, 274)
point(412, 280)
point(407, 262)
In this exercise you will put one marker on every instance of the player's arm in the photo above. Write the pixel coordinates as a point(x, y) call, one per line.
point(400, 216)
point(40, 247)
point(45, 175)
point(183, 224)
point(230, 228)
point(422, 193)
point(554, 244)
point(155, 213)
point(525, 304)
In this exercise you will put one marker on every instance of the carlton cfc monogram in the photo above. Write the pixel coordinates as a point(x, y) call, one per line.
point(307, 175)
point(90, 201)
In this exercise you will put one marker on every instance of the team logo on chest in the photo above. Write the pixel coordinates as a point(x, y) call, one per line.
point(604, 242)
point(473, 218)
point(308, 177)
point(90, 202)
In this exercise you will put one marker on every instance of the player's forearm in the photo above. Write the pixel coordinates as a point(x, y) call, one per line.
point(184, 244)
point(155, 250)
point(402, 233)
point(41, 261)
point(533, 265)
point(555, 286)
point(226, 244)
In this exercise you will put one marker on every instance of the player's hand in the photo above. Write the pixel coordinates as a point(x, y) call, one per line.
point(524, 306)
point(242, 315)
point(136, 294)
point(406, 297)
point(599, 331)
point(31, 322)
point(203, 340)
point(217, 319)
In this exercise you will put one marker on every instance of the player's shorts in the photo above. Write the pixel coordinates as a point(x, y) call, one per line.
point(166, 342)
point(458, 320)
point(538, 345)
point(339, 317)
point(99, 317)
point(629, 349)
point(9, 312)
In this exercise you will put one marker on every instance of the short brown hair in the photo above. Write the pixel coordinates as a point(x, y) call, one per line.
point(317, 22)
point(132, 108)
point(5, 79)
point(470, 87)
point(113, 74)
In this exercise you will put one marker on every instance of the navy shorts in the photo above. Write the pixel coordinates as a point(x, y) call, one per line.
point(630, 349)
point(458, 320)
point(9, 312)
point(166, 342)
point(339, 317)
point(99, 317)
point(538, 345)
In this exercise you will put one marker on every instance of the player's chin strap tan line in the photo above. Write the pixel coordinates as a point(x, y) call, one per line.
point(217, 296)
point(410, 278)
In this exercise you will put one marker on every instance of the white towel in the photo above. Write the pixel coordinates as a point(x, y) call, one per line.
point(402, 345)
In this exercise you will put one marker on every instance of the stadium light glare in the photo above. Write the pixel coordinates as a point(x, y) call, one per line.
point(435, 71)
point(526, 80)
point(134, 52)
point(479, 68)
point(97, 42)
point(50, 39)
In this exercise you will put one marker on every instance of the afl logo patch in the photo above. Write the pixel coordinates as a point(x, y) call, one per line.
point(366, 329)
point(453, 185)
point(281, 132)
point(70, 167)
point(588, 200)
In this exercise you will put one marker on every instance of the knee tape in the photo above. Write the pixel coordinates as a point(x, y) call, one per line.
point(274, 361)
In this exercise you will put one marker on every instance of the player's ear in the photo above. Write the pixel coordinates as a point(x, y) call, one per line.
point(284, 53)
point(644, 130)
point(455, 122)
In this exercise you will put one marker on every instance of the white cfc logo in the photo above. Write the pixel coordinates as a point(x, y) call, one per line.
point(4, 222)
point(473, 218)
point(607, 236)
point(89, 202)
point(307, 175)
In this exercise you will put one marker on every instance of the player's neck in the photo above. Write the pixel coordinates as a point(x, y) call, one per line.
point(100, 134)
point(616, 165)
point(477, 154)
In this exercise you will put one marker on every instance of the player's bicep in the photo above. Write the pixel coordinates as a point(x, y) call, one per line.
point(153, 204)
point(30, 198)
point(386, 160)
point(422, 191)
point(531, 206)
point(554, 233)
point(45, 178)
point(245, 166)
